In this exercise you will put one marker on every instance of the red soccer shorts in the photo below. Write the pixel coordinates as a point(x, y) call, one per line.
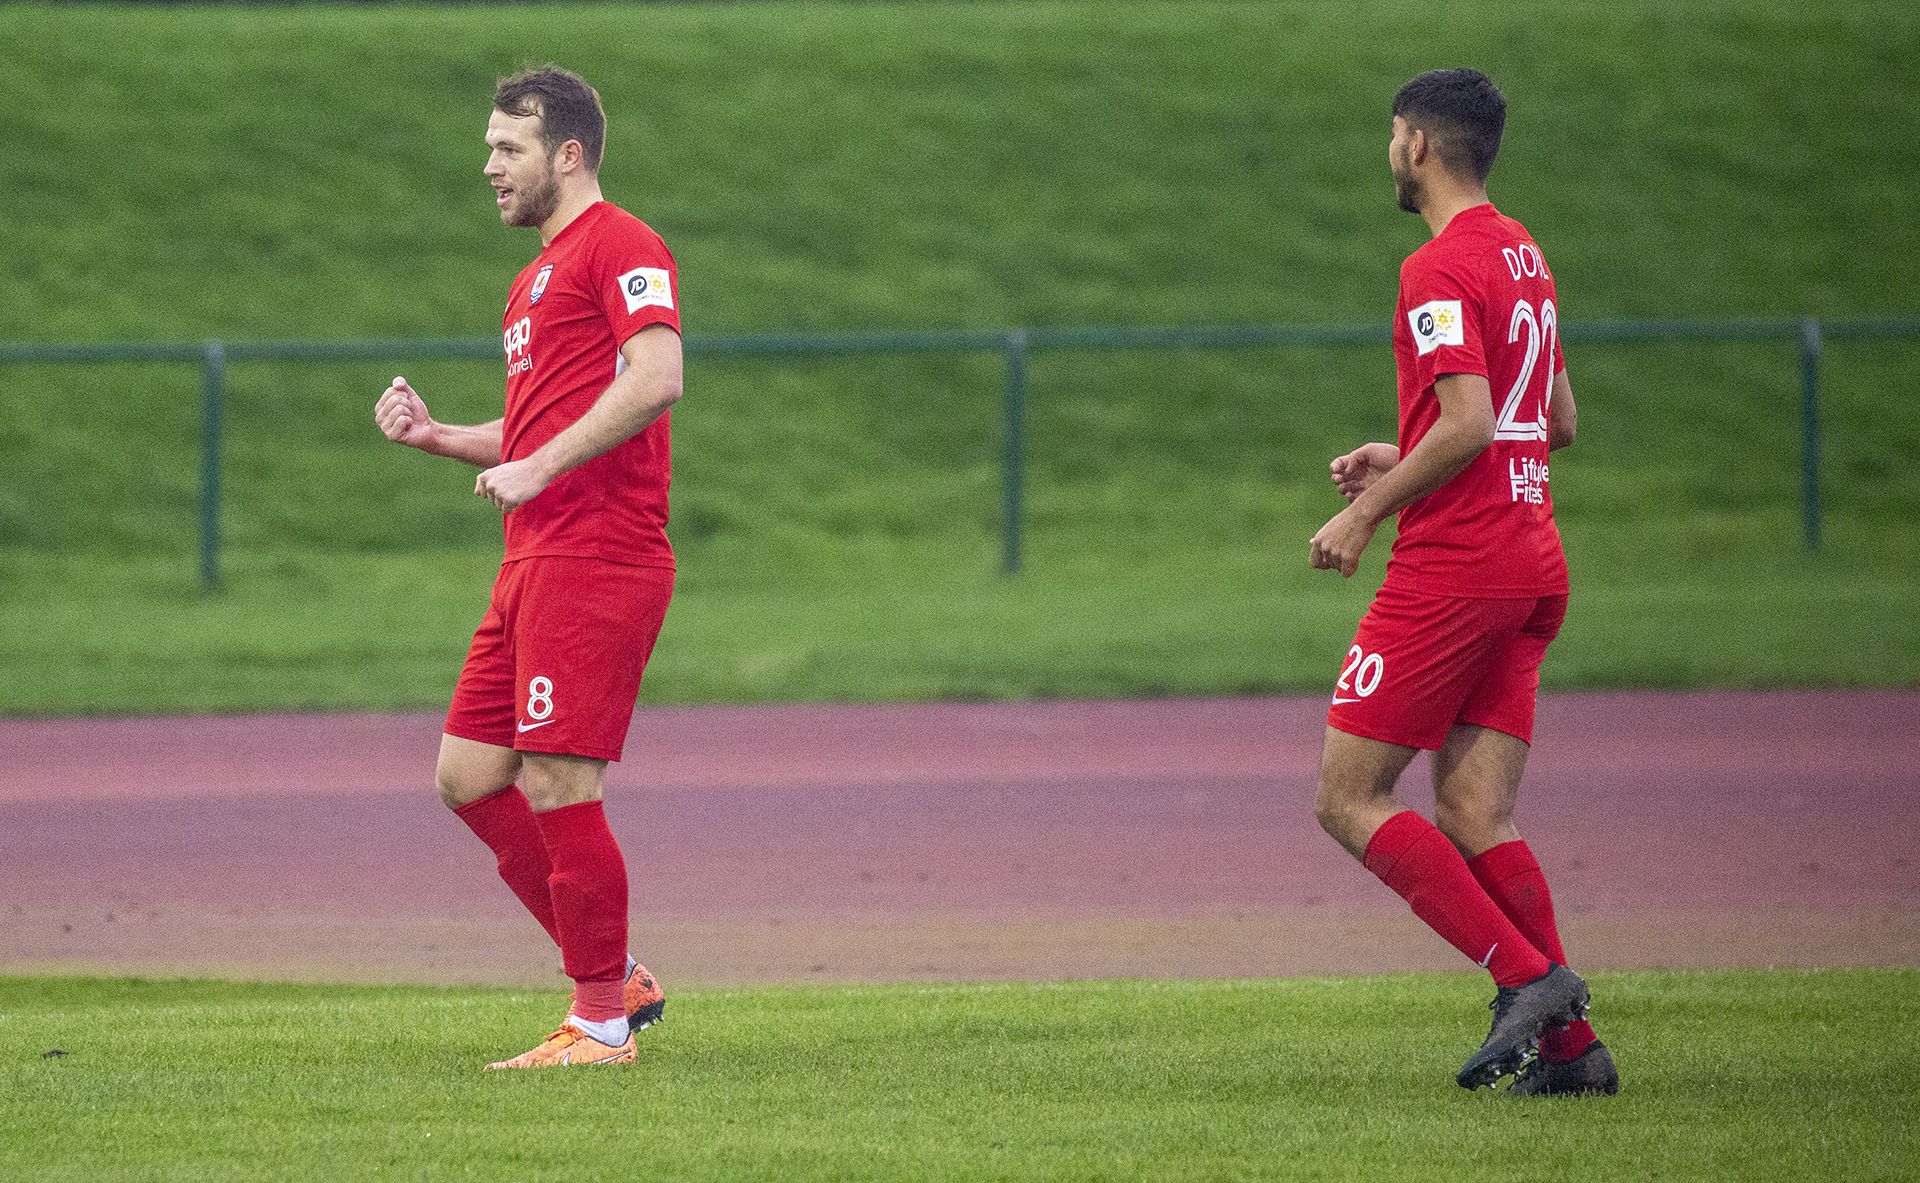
point(556, 662)
point(1421, 663)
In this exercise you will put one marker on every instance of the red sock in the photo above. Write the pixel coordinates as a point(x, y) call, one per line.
point(504, 821)
point(1513, 880)
point(589, 889)
point(1413, 857)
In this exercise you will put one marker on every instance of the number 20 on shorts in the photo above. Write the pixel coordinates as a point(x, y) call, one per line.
point(1364, 670)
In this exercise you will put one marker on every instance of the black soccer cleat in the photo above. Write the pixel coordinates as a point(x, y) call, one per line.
point(1589, 1074)
point(1520, 1014)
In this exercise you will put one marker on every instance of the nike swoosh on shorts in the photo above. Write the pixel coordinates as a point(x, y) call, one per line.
point(526, 727)
point(1337, 701)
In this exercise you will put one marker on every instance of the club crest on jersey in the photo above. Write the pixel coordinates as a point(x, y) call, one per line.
point(540, 284)
point(1436, 323)
point(644, 286)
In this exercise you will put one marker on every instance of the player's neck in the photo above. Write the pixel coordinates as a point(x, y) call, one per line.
point(574, 201)
point(1446, 202)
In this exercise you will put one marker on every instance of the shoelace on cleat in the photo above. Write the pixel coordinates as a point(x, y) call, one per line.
point(1503, 1001)
point(568, 1031)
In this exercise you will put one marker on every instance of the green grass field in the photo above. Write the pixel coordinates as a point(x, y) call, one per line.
point(188, 172)
point(1725, 1076)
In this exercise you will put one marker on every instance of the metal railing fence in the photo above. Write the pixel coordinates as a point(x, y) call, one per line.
point(1015, 345)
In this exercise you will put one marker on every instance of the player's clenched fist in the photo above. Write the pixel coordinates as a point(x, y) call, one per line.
point(402, 416)
point(511, 485)
point(1339, 544)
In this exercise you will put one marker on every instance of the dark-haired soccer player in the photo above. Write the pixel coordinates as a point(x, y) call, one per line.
point(579, 465)
point(1447, 659)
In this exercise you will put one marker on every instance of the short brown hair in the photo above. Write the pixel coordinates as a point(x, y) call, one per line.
point(568, 108)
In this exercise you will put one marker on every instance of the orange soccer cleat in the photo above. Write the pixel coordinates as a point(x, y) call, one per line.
point(570, 1047)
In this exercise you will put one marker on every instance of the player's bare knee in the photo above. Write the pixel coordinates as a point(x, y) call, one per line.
point(1345, 797)
point(450, 794)
point(467, 770)
point(1329, 808)
point(1463, 827)
point(462, 782)
point(458, 788)
point(1474, 825)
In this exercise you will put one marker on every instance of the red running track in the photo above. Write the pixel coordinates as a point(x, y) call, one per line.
point(908, 842)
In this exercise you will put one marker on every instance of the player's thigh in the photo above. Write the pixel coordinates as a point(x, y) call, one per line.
point(1476, 784)
point(1508, 690)
point(584, 633)
point(1355, 768)
point(483, 697)
point(1414, 663)
point(1477, 771)
point(1355, 792)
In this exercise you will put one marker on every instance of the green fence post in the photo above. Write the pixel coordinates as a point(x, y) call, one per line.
point(1810, 430)
point(210, 416)
point(1012, 475)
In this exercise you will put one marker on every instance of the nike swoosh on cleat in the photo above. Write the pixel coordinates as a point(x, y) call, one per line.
point(526, 727)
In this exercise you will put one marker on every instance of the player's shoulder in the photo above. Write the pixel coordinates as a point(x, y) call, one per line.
point(1437, 261)
point(620, 242)
point(1479, 241)
point(1489, 232)
point(617, 226)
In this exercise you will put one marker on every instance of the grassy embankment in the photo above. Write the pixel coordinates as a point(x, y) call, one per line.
point(180, 174)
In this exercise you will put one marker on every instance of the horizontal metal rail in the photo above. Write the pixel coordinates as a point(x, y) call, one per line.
point(1786, 329)
point(1016, 345)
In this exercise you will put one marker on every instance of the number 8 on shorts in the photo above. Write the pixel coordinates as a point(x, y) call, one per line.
point(539, 698)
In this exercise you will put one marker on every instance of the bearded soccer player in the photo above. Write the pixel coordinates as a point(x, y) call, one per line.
point(579, 467)
point(1447, 659)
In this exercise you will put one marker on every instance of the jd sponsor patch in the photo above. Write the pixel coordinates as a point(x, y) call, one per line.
point(1436, 323)
point(645, 286)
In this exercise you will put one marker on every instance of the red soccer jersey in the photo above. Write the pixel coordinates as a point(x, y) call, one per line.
point(1479, 299)
point(602, 279)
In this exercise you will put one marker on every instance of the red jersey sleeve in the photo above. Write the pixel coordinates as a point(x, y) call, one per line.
point(1443, 314)
point(635, 281)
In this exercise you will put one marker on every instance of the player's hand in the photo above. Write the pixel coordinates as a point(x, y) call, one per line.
point(511, 485)
point(1339, 544)
point(1361, 467)
point(403, 417)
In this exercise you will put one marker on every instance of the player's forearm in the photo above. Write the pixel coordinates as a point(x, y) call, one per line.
point(1562, 418)
point(478, 444)
point(625, 409)
point(1442, 454)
